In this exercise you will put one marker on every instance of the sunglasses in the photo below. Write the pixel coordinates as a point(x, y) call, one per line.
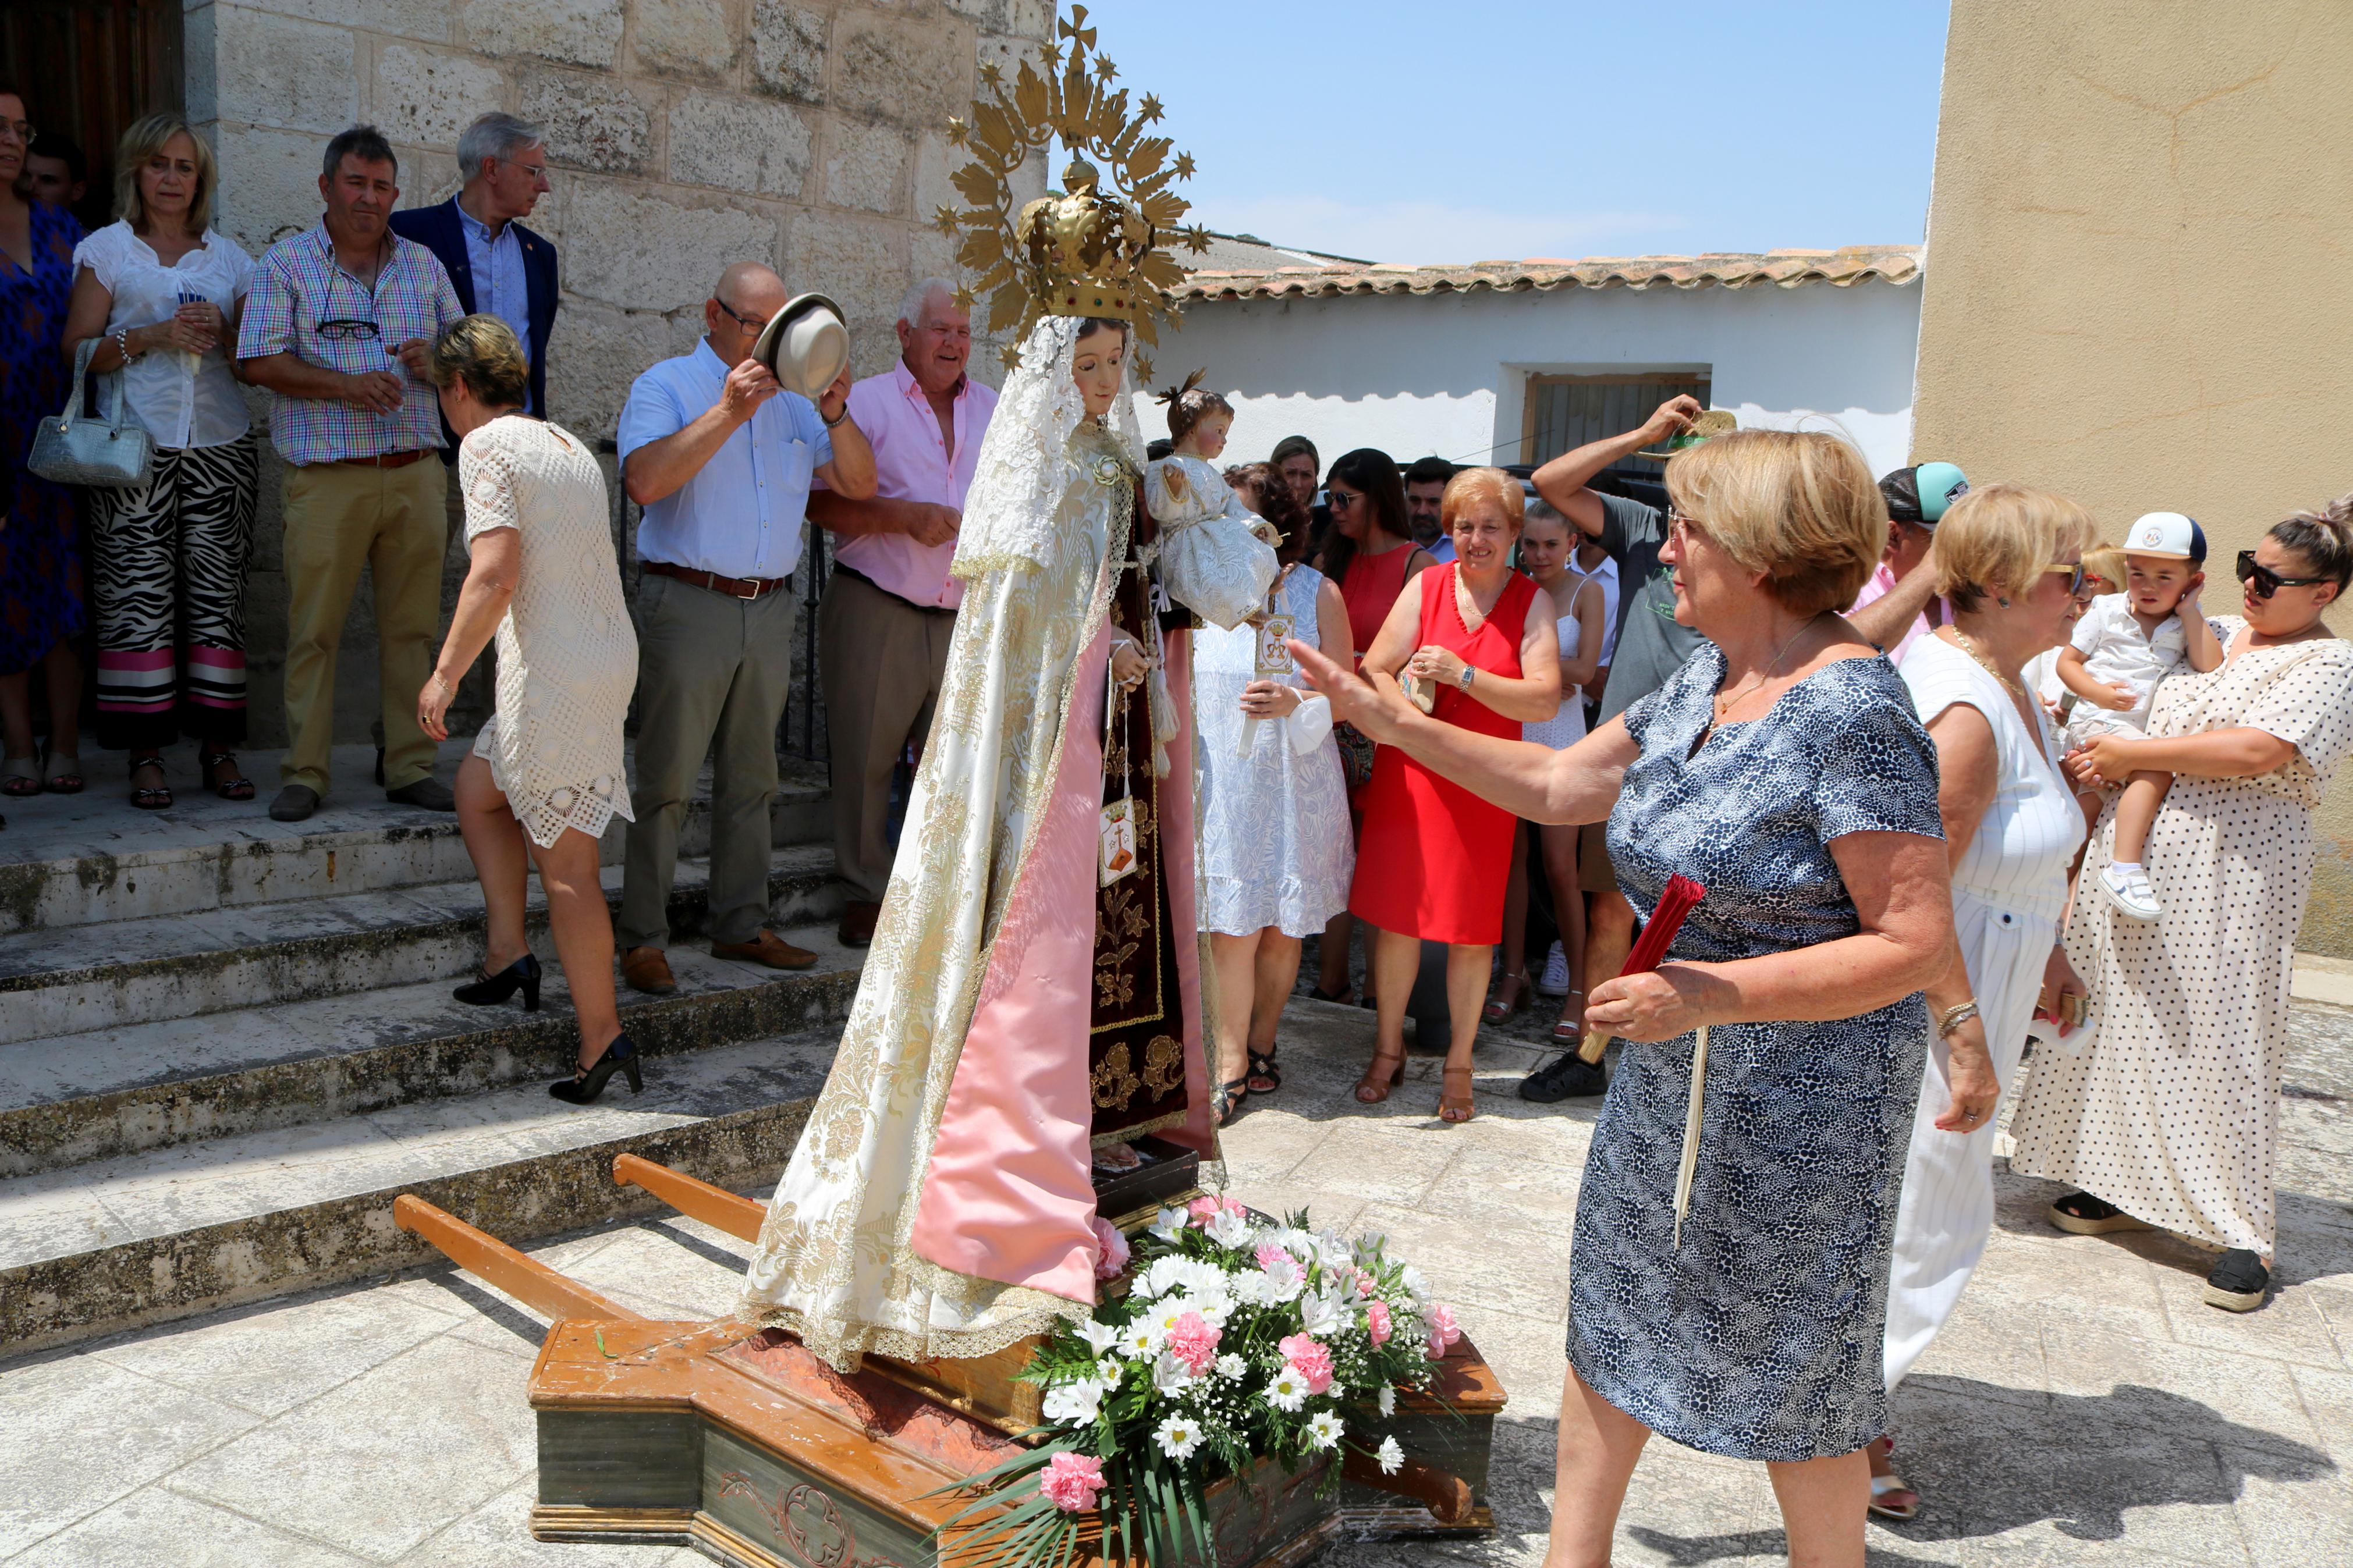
point(2263, 581)
point(1340, 500)
point(2078, 575)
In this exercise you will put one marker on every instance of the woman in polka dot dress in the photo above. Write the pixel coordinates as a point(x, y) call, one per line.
point(2171, 1118)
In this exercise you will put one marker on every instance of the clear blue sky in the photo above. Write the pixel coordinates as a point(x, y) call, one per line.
point(1468, 130)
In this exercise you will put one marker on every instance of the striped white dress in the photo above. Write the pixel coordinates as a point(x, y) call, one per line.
point(2008, 892)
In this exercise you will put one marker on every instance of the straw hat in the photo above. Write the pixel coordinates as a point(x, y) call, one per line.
point(1714, 422)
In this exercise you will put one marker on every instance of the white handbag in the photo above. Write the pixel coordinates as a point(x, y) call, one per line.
point(113, 452)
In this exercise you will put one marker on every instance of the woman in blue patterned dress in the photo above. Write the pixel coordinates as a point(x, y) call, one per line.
point(40, 550)
point(1781, 768)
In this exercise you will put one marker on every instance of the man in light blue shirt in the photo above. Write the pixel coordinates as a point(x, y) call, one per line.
point(721, 457)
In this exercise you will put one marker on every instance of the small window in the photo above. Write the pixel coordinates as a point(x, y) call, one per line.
point(1562, 413)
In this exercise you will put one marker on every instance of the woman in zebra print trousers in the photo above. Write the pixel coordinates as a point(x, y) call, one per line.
point(161, 292)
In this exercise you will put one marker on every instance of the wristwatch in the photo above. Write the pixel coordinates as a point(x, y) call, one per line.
point(1463, 681)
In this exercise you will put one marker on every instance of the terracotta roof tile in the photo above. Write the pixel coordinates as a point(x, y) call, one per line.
point(1898, 264)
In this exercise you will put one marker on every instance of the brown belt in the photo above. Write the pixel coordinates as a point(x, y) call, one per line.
point(385, 460)
point(734, 587)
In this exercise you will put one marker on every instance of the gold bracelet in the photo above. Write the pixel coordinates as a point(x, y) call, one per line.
point(1954, 1017)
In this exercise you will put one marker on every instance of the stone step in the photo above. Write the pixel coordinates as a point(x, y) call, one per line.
point(75, 979)
point(176, 1231)
point(68, 860)
point(66, 1100)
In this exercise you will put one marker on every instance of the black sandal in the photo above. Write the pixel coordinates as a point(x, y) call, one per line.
point(153, 797)
point(1227, 1098)
point(1345, 996)
point(2081, 1213)
point(237, 787)
point(1263, 1066)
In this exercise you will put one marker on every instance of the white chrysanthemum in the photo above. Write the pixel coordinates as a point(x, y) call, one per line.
point(1100, 1337)
point(1232, 1367)
point(1254, 1288)
point(1416, 1286)
point(1230, 1229)
point(1214, 1305)
point(1323, 1429)
point(1178, 1437)
point(1075, 1404)
point(1164, 1275)
point(1168, 1223)
point(1388, 1400)
point(1390, 1457)
point(1286, 1390)
point(1140, 1339)
point(1108, 1373)
point(1199, 1276)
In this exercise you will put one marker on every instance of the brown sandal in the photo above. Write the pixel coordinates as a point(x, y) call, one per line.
point(1500, 1010)
point(1451, 1108)
point(1374, 1085)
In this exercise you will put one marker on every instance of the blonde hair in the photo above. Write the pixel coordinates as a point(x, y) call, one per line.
point(1798, 506)
point(1484, 484)
point(1995, 541)
point(484, 351)
point(2106, 562)
point(143, 141)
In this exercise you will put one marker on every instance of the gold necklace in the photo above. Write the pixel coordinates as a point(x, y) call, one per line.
point(1969, 646)
point(1724, 703)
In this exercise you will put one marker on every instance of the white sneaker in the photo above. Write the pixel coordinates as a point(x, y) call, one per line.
point(2129, 892)
point(1554, 982)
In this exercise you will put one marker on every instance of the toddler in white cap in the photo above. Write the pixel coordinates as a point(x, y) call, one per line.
point(2125, 644)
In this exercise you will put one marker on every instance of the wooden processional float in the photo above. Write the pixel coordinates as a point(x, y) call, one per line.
point(735, 1440)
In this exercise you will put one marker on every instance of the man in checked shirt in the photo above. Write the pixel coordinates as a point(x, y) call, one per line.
point(337, 329)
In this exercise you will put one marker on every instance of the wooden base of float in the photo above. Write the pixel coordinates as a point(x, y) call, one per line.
point(738, 1442)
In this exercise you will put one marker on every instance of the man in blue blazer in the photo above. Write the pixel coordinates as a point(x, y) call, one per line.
point(498, 267)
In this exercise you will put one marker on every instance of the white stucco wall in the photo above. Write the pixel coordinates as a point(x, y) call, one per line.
point(1444, 373)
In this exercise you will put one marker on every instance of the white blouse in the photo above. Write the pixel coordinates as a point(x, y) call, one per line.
point(182, 399)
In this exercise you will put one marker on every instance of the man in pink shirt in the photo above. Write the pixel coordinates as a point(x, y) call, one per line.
point(889, 606)
point(1898, 603)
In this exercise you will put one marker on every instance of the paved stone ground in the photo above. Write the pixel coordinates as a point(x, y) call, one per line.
point(2082, 1408)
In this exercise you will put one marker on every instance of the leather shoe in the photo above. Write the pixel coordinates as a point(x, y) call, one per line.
point(766, 948)
point(427, 794)
point(647, 969)
point(294, 803)
point(857, 928)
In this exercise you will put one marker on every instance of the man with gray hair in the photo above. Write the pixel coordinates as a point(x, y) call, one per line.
point(890, 607)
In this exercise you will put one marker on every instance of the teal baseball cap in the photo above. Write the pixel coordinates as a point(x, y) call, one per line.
point(1922, 495)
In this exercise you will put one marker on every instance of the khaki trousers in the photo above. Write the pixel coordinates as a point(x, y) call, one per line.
point(339, 518)
point(882, 660)
point(713, 672)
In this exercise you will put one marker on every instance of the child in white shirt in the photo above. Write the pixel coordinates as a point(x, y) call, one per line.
point(2123, 647)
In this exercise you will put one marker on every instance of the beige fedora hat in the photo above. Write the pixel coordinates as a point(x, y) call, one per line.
point(805, 345)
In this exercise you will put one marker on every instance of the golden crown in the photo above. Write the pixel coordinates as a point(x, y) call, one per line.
point(1093, 248)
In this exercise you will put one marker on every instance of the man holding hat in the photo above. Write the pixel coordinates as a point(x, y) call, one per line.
point(1898, 602)
point(720, 446)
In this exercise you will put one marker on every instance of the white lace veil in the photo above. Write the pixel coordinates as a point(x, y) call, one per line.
point(1024, 471)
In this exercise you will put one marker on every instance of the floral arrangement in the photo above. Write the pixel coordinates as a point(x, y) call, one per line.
point(1237, 1339)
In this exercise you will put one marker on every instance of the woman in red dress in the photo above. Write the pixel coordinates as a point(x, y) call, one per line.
point(1433, 858)
point(1372, 555)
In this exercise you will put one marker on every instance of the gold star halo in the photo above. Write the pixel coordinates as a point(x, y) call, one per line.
point(1097, 247)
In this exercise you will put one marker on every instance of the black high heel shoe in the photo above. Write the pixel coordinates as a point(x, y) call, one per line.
point(620, 1056)
point(522, 973)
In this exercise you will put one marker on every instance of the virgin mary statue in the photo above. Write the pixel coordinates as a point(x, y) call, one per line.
point(1018, 1009)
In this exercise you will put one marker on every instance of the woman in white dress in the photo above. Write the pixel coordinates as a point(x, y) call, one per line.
point(2172, 1118)
point(546, 772)
point(1547, 555)
point(2008, 560)
point(1276, 852)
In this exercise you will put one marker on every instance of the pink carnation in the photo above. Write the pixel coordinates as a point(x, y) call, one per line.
point(1376, 1321)
point(1366, 1283)
point(1270, 1256)
point(1111, 1250)
point(1202, 1210)
point(1309, 1360)
point(1072, 1481)
point(1194, 1341)
point(1442, 1331)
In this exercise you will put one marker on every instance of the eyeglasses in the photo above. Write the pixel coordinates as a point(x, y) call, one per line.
point(22, 129)
point(2263, 581)
point(746, 322)
point(1340, 500)
point(347, 329)
point(2078, 575)
point(1682, 528)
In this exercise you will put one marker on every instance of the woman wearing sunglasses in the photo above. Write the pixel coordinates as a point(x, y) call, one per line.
point(2171, 1118)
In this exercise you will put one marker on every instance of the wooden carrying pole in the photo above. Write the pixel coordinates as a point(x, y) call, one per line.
point(492, 1261)
point(714, 1206)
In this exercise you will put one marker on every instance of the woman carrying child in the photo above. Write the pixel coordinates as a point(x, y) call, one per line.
point(2171, 1118)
